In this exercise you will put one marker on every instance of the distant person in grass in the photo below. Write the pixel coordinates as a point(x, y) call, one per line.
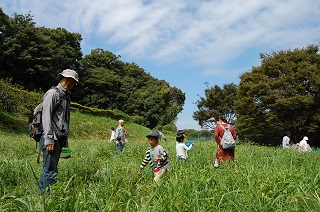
point(55, 121)
point(303, 145)
point(286, 141)
point(222, 154)
point(161, 134)
point(113, 135)
point(181, 148)
point(156, 156)
point(120, 137)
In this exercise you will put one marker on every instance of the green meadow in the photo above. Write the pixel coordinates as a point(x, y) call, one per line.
point(260, 179)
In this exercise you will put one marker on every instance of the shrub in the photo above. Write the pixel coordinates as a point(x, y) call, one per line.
point(15, 99)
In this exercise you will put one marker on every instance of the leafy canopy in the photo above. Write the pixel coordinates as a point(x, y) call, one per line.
point(218, 101)
point(283, 94)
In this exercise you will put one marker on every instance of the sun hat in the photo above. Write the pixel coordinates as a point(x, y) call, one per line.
point(153, 134)
point(68, 73)
point(120, 121)
point(180, 132)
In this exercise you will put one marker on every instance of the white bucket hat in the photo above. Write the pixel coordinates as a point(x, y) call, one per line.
point(69, 74)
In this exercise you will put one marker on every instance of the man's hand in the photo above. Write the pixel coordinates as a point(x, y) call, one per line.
point(50, 147)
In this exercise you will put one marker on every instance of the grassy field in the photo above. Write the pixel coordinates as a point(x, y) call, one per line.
point(260, 179)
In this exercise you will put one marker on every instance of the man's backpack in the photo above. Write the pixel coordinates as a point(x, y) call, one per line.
point(35, 124)
point(118, 137)
point(227, 141)
point(35, 120)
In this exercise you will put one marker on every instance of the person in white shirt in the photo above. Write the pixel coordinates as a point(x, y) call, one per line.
point(286, 141)
point(113, 135)
point(181, 148)
point(303, 145)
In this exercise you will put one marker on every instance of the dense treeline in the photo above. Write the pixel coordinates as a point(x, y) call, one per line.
point(281, 95)
point(32, 57)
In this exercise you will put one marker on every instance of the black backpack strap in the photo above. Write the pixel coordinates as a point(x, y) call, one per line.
point(39, 154)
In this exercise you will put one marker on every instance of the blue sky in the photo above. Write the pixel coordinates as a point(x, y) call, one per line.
point(188, 43)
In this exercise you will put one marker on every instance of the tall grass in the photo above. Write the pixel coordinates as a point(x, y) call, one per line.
point(260, 179)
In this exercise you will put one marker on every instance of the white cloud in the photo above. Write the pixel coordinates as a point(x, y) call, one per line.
point(202, 32)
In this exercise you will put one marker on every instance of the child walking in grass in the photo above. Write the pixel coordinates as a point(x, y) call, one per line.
point(156, 156)
point(113, 135)
point(181, 148)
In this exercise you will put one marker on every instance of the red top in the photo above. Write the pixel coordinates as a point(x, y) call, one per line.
point(218, 132)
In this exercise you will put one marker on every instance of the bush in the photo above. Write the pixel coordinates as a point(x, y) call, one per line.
point(114, 114)
point(14, 99)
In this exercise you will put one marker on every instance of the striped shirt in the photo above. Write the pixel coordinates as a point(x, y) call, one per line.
point(158, 151)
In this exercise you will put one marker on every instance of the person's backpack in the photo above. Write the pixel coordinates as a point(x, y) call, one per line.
point(35, 123)
point(118, 137)
point(35, 127)
point(227, 141)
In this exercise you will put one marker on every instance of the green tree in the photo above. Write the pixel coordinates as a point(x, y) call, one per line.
point(283, 94)
point(33, 56)
point(217, 101)
point(109, 83)
point(104, 80)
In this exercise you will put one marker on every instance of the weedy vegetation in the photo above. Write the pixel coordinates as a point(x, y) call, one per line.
point(260, 179)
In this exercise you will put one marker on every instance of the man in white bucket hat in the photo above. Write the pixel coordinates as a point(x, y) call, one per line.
point(55, 121)
point(68, 73)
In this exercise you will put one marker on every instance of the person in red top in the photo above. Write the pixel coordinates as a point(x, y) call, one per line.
point(222, 154)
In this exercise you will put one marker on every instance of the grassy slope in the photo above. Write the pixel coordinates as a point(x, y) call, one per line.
point(261, 178)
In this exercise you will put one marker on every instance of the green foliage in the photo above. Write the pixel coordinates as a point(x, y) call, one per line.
point(114, 114)
point(218, 102)
point(15, 99)
point(281, 95)
point(108, 83)
point(12, 124)
point(32, 56)
point(260, 179)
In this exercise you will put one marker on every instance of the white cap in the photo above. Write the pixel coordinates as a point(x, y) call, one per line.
point(305, 138)
point(69, 74)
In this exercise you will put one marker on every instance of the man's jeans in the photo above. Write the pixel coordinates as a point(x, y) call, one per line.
point(119, 147)
point(50, 165)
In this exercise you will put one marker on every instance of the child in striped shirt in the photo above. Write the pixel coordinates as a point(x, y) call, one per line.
point(156, 156)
